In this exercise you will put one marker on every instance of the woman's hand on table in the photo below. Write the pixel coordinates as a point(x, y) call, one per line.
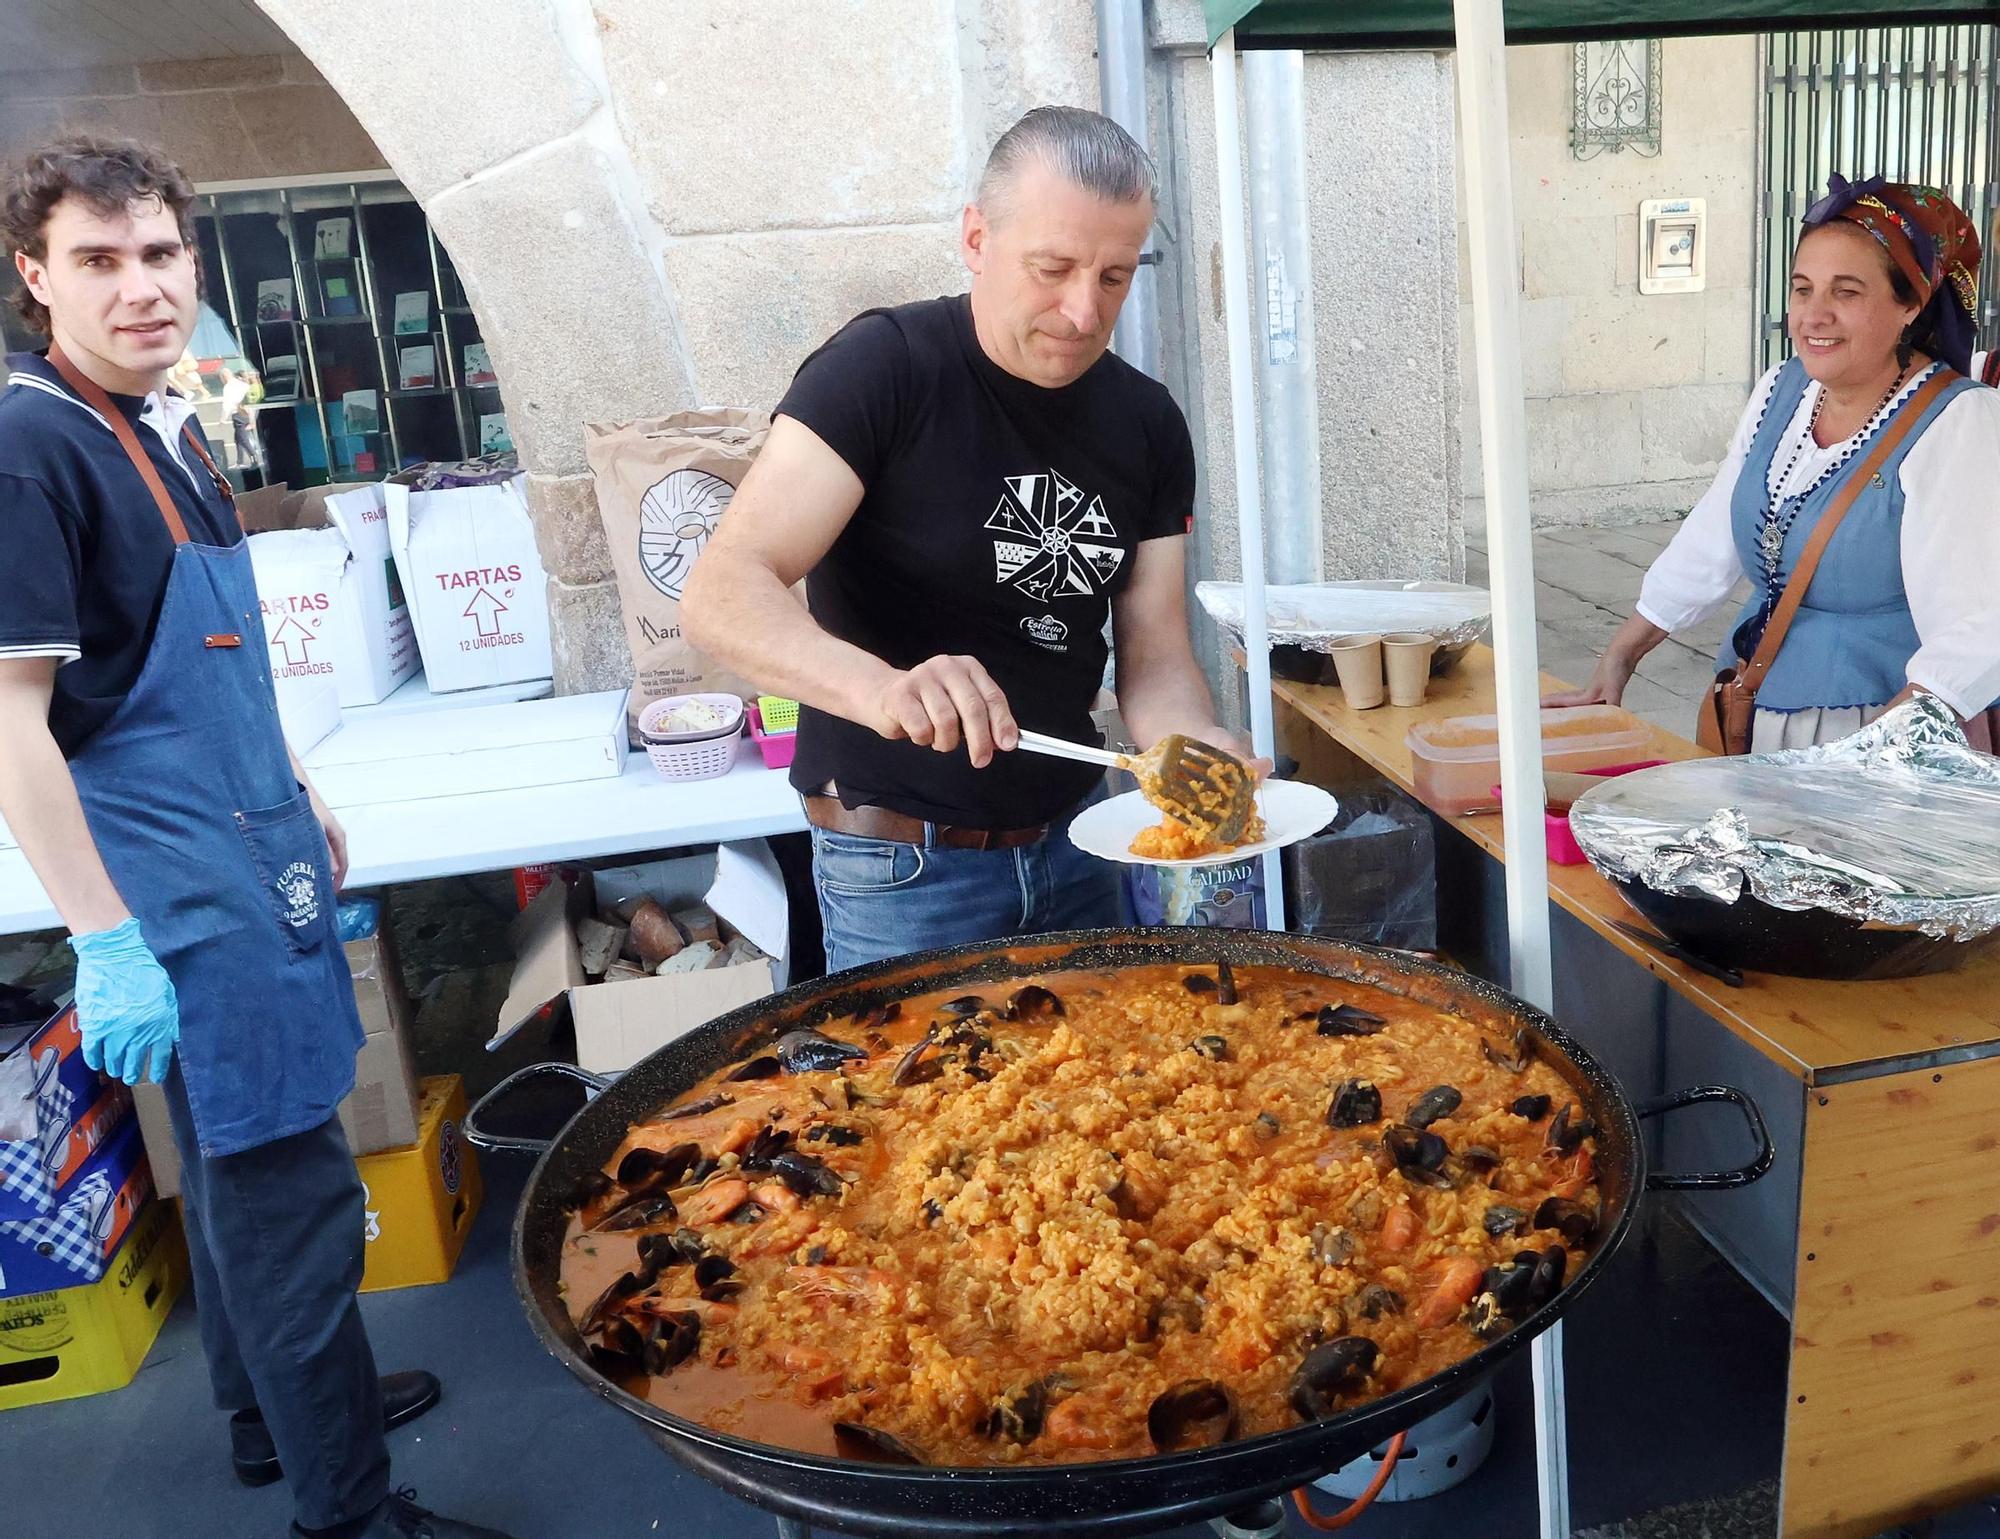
point(1606, 686)
point(1635, 638)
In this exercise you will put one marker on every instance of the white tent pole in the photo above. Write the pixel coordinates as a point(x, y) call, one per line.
point(1496, 311)
point(1243, 426)
point(1503, 428)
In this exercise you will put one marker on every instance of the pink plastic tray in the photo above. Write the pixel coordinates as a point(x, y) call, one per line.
point(776, 747)
point(1563, 848)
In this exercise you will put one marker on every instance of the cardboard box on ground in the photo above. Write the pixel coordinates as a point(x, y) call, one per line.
point(55, 1113)
point(72, 1244)
point(381, 1111)
point(335, 620)
point(713, 926)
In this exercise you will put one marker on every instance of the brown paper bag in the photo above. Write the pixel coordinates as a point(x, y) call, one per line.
point(662, 486)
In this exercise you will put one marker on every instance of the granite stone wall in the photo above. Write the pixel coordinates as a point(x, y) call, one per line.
point(657, 206)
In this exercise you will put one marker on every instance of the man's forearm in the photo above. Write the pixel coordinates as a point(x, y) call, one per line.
point(38, 798)
point(738, 613)
point(1162, 700)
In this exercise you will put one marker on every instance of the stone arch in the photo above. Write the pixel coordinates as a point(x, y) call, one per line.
point(655, 206)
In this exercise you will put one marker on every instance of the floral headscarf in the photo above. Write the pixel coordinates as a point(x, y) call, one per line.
point(1932, 244)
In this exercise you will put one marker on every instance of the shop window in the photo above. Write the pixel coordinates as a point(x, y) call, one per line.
point(335, 341)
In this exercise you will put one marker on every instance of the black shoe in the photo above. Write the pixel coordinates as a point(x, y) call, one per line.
point(405, 1397)
point(401, 1518)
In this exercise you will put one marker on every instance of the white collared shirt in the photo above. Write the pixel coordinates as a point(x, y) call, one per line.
point(1950, 540)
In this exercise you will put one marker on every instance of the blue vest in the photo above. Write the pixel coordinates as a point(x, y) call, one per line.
point(1853, 637)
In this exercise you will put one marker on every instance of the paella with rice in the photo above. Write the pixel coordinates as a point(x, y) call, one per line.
point(1209, 812)
point(1092, 1216)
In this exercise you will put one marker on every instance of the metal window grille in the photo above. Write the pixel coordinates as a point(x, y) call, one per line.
point(1615, 98)
point(1914, 104)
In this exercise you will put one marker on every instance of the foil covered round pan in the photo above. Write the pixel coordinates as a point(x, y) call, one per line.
point(1314, 616)
point(1898, 825)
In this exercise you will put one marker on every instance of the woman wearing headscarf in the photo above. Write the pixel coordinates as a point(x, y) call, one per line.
point(1882, 299)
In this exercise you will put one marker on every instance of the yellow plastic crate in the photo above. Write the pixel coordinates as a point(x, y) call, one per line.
point(83, 1341)
point(421, 1201)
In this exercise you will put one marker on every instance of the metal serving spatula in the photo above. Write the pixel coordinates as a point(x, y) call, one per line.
point(1209, 790)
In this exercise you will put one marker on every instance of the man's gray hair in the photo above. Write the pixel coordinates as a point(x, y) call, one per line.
point(1083, 147)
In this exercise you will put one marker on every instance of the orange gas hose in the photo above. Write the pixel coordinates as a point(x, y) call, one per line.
point(1361, 1503)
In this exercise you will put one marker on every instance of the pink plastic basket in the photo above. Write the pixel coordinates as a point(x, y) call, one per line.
point(776, 747)
point(1563, 848)
point(702, 760)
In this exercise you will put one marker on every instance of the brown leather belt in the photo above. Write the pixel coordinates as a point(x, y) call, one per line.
point(898, 828)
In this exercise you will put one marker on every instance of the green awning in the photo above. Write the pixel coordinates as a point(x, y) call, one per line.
point(1427, 23)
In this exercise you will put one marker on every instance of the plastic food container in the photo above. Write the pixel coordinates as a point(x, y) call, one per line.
point(776, 747)
point(1456, 760)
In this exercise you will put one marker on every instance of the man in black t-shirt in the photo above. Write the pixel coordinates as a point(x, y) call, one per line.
point(970, 488)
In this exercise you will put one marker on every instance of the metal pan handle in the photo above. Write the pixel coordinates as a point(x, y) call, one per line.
point(479, 1138)
point(1713, 1180)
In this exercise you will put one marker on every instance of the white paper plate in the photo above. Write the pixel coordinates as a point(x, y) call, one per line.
point(1291, 809)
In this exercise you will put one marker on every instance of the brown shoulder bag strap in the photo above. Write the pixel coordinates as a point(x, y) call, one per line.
point(94, 395)
point(1802, 574)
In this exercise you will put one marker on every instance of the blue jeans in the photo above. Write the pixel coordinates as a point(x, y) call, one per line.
point(879, 899)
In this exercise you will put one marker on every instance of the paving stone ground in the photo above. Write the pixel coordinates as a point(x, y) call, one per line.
point(1586, 582)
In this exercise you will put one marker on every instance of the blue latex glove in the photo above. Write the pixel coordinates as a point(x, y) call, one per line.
point(125, 1004)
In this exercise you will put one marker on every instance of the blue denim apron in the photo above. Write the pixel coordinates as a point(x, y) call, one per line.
point(191, 801)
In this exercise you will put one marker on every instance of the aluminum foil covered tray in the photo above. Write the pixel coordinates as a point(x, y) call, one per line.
point(1895, 829)
point(1315, 615)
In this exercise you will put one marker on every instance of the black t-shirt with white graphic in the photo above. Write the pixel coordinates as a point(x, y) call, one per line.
point(998, 521)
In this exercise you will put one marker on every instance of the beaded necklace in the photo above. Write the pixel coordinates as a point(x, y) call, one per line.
point(1782, 511)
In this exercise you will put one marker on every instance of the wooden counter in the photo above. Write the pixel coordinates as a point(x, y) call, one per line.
point(1878, 1229)
point(1821, 1031)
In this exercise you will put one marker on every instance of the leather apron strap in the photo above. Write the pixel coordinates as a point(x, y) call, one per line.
point(95, 396)
point(221, 481)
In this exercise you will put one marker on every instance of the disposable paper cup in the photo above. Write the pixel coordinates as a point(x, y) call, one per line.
point(1358, 662)
point(1406, 656)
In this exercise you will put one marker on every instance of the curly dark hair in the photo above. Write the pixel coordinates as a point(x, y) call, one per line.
point(108, 175)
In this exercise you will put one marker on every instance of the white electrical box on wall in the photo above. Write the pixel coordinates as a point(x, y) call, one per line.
point(1673, 245)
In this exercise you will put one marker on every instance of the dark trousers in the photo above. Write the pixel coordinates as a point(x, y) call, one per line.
point(276, 1237)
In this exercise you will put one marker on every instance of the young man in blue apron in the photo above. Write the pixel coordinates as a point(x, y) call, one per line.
point(144, 774)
